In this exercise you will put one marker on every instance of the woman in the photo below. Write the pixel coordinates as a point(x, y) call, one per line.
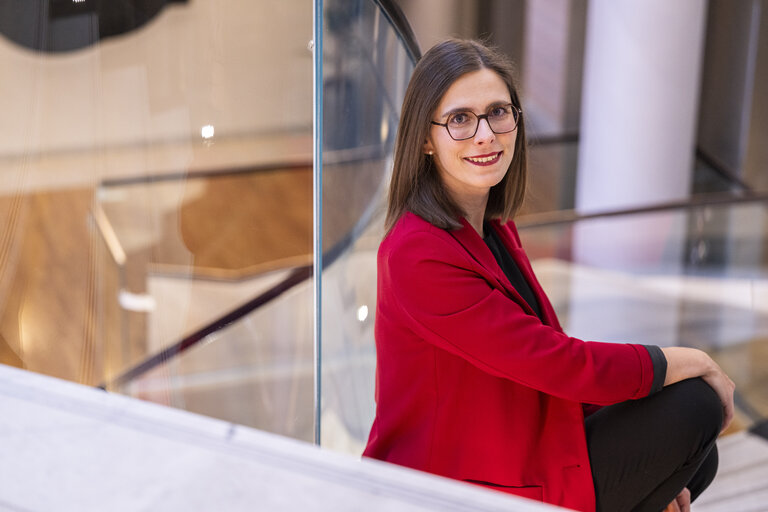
point(475, 378)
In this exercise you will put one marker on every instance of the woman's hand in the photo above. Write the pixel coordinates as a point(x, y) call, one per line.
point(687, 363)
point(682, 503)
point(724, 387)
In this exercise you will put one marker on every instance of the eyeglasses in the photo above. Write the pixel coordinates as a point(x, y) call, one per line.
point(463, 125)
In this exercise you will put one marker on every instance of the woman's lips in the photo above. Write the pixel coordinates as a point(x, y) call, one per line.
point(489, 159)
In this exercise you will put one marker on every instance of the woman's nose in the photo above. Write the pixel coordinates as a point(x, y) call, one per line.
point(484, 133)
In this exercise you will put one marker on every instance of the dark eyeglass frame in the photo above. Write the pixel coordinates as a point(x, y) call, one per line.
point(483, 116)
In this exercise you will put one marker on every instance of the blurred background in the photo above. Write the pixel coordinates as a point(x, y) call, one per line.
point(156, 189)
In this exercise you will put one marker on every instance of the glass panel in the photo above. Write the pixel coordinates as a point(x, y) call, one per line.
point(366, 69)
point(553, 171)
point(258, 371)
point(186, 264)
point(157, 177)
point(694, 277)
point(552, 177)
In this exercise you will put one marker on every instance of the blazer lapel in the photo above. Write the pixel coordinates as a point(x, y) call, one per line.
point(549, 317)
point(475, 246)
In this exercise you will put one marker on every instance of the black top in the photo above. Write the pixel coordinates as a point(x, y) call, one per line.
point(518, 281)
point(509, 267)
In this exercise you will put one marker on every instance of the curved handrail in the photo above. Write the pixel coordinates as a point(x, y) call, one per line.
point(403, 29)
point(537, 220)
point(296, 277)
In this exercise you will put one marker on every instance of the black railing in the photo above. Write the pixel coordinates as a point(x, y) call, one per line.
point(403, 29)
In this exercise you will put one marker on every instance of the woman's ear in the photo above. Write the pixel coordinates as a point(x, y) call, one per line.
point(428, 149)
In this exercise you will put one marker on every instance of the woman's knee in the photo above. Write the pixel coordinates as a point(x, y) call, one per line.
point(699, 402)
point(705, 474)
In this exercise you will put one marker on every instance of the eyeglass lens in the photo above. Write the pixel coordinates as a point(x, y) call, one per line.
point(463, 125)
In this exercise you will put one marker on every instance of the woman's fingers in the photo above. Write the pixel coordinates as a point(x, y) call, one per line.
point(729, 406)
point(686, 363)
point(684, 500)
point(682, 503)
point(724, 387)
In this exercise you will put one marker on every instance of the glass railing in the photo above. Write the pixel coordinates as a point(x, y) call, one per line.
point(366, 69)
point(157, 178)
point(257, 370)
point(694, 276)
point(554, 165)
point(246, 354)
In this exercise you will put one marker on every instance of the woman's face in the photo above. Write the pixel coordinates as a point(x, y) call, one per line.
point(469, 168)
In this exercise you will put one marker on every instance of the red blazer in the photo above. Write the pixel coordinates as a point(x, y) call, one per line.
point(470, 384)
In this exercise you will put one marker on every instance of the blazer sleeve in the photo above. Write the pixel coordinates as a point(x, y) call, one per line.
point(446, 301)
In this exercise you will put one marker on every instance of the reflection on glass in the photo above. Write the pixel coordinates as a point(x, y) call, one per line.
point(62, 26)
point(126, 229)
point(256, 372)
point(693, 277)
point(553, 167)
point(366, 70)
point(207, 131)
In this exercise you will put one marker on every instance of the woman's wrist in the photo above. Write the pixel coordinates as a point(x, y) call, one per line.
point(687, 363)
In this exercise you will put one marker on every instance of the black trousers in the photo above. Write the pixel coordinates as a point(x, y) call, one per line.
point(644, 452)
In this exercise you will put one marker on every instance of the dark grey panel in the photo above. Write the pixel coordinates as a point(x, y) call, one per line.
point(756, 162)
point(727, 81)
point(66, 25)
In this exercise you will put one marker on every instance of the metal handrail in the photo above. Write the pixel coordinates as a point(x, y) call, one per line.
point(537, 220)
point(403, 29)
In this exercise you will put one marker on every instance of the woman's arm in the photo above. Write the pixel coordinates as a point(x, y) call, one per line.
point(687, 363)
point(431, 287)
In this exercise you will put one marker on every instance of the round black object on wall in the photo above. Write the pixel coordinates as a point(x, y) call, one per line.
point(66, 25)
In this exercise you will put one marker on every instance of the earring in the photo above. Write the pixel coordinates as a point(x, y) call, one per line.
point(430, 153)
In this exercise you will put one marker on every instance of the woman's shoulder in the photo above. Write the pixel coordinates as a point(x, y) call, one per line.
point(414, 249)
point(413, 232)
point(410, 224)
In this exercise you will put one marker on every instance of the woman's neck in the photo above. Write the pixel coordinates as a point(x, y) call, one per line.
point(472, 202)
point(475, 212)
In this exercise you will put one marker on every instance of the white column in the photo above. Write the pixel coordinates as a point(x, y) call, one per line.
point(638, 117)
point(639, 102)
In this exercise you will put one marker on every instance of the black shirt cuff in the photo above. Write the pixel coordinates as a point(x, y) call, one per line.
point(659, 361)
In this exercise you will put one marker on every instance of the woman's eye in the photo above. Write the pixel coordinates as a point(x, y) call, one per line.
point(499, 112)
point(459, 119)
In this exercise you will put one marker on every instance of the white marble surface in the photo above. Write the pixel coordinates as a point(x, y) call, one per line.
point(741, 484)
point(70, 448)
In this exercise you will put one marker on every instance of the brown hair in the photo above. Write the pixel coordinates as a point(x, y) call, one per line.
point(416, 185)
